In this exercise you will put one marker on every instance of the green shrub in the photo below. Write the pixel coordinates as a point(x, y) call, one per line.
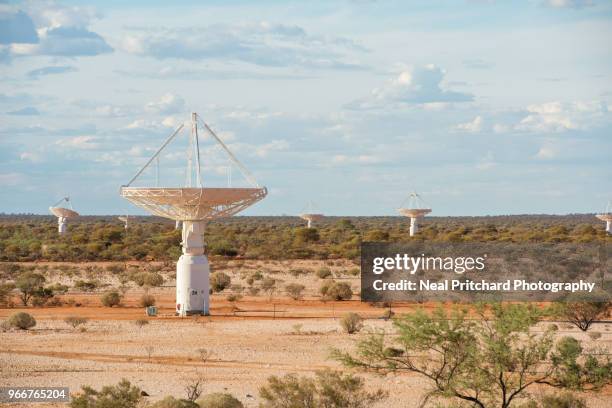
point(351, 323)
point(294, 290)
point(122, 395)
point(324, 273)
point(147, 300)
point(111, 299)
point(336, 290)
point(21, 320)
point(328, 389)
point(219, 400)
point(219, 281)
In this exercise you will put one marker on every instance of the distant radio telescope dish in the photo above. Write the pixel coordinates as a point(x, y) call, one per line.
point(311, 214)
point(193, 205)
point(124, 220)
point(414, 209)
point(63, 214)
point(606, 216)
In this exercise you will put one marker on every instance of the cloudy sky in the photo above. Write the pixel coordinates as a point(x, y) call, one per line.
point(483, 107)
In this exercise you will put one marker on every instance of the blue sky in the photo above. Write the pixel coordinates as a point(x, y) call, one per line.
point(483, 107)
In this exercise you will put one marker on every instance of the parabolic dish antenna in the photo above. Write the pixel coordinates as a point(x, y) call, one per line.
point(193, 205)
point(63, 214)
point(415, 208)
point(124, 220)
point(606, 216)
point(311, 214)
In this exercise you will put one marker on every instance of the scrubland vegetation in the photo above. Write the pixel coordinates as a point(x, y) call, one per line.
point(470, 356)
point(35, 238)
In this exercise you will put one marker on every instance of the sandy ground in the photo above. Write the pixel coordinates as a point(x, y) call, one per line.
point(250, 340)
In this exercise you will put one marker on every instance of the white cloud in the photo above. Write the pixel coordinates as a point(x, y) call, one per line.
point(264, 44)
point(79, 142)
point(416, 86)
point(167, 104)
point(46, 28)
point(472, 127)
point(562, 116)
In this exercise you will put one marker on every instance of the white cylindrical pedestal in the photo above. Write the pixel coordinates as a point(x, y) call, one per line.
point(414, 227)
point(609, 227)
point(61, 225)
point(192, 272)
point(309, 223)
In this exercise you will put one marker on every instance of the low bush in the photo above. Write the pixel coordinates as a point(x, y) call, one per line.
point(328, 389)
point(147, 300)
point(332, 290)
point(351, 323)
point(295, 290)
point(219, 400)
point(21, 320)
point(75, 321)
point(122, 395)
point(324, 273)
point(219, 281)
point(111, 299)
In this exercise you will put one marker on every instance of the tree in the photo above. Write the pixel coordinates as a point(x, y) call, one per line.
point(582, 314)
point(329, 389)
point(486, 363)
point(294, 290)
point(219, 281)
point(29, 283)
point(122, 395)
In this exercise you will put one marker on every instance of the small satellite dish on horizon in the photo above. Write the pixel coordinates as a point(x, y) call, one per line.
point(311, 214)
point(415, 208)
point(124, 220)
point(62, 214)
